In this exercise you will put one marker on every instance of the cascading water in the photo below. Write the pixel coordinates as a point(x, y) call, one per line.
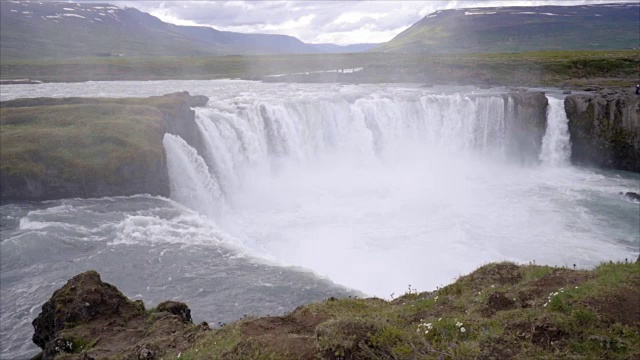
point(191, 182)
point(344, 183)
point(367, 129)
point(372, 186)
point(433, 169)
point(556, 145)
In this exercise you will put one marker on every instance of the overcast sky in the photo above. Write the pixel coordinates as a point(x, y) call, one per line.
point(338, 22)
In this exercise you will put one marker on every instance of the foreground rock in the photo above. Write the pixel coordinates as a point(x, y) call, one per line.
point(500, 311)
point(56, 148)
point(89, 319)
point(605, 129)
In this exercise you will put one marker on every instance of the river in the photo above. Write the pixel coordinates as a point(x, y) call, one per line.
point(306, 191)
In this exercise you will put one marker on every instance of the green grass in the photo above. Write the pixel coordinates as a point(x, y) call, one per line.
point(81, 141)
point(531, 68)
point(500, 310)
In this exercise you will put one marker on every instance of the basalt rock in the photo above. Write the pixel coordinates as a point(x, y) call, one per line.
point(605, 129)
point(90, 319)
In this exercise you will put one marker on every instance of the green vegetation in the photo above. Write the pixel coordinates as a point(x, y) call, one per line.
point(79, 141)
point(517, 29)
point(544, 68)
point(499, 311)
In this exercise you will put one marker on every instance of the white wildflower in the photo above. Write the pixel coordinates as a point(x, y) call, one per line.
point(462, 329)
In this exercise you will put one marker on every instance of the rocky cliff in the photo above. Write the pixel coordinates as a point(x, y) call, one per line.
point(90, 147)
point(605, 129)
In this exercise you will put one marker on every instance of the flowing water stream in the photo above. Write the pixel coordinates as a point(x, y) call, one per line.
point(301, 192)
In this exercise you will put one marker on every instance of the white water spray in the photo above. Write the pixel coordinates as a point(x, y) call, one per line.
point(191, 183)
point(379, 190)
point(556, 144)
point(263, 137)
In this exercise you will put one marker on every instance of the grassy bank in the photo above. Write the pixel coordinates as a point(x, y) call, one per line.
point(81, 141)
point(550, 68)
point(500, 311)
point(85, 147)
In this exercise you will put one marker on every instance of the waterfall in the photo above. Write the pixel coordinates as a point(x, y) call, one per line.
point(556, 143)
point(191, 183)
point(258, 138)
point(266, 134)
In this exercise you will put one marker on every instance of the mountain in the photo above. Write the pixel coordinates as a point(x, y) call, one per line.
point(519, 29)
point(353, 48)
point(65, 30)
point(31, 30)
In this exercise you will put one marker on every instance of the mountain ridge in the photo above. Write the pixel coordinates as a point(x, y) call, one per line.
point(32, 30)
point(521, 29)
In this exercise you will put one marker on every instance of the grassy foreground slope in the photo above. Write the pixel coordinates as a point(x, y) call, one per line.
point(500, 311)
point(548, 68)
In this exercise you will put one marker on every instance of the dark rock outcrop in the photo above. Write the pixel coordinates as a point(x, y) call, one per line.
point(180, 118)
point(84, 298)
point(605, 129)
point(90, 319)
point(176, 308)
point(92, 148)
point(192, 100)
point(632, 196)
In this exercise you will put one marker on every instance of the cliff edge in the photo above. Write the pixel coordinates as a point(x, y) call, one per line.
point(605, 129)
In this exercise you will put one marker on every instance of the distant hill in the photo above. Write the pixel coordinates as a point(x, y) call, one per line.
point(519, 29)
point(31, 30)
point(336, 49)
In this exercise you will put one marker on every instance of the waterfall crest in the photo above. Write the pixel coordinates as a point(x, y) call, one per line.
point(262, 136)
